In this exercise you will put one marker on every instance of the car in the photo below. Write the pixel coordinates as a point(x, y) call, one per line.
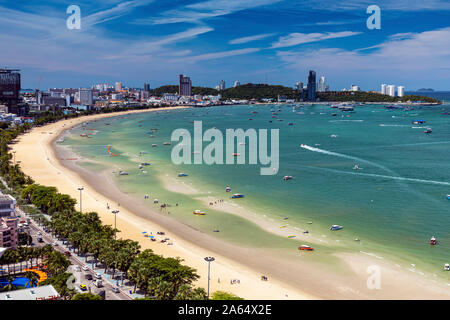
point(39, 233)
point(85, 268)
point(115, 290)
point(83, 287)
point(98, 276)
point(88, 276)
point(40, 240)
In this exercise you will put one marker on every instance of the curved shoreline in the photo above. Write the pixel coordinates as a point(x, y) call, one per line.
point(36, 147)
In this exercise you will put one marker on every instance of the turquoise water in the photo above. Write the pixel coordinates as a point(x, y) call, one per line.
point(394, 203)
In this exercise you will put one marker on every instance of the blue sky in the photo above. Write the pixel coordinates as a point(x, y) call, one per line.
point(155, 40)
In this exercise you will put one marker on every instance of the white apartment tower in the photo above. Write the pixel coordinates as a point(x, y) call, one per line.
point(390, 90)
point(400, 91)
point(383, 88)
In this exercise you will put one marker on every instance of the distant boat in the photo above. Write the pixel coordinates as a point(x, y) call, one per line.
point(237, 196)
point(428, 130)
point(199, 212)
point(433, 241)
point(285, 178)
point(418, 122)
point(166, 143)
point(182, 175)
point(356, 167)
point(154, 145)
point(291, 123)
point(447, 267)
point(123, 173)
point(335, 227)
point(448, 197)
point(227, 189)
point(305, 248)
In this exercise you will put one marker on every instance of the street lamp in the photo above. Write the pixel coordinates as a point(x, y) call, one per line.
point(115, 229)
point(209, 260)
point(80, 189)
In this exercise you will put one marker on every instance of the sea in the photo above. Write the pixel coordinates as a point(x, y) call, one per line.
point(389, 206)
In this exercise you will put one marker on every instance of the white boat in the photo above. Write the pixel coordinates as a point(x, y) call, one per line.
point(447, 267)
point(356, 167)
point(335, 227)
point(123, 173)
point(285, 178)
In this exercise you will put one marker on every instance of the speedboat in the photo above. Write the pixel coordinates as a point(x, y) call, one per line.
point(237, 196)
point(418, 122)
point(285, 178)
point(166, 143)
point(199, 212)
point(428, 130)
point(356, 167)
point(182, 175)
point(305, 247)
point(433, 241)
point(448, 197)
point(227, 189)
point(335, 227)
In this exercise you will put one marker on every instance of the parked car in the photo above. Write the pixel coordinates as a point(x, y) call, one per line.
point(40, 240)
point(98, 283)
point(115, 290)
point(98, 276)
point(55, 244)
point(88, 276)
point(83, 287)
point(85, 268)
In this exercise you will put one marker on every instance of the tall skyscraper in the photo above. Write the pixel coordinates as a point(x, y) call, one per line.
point(222, 85)
point(9, 86)
point(237, 83)
point(390, 90)
point(321, 87)
point(146, 87)
point(400, 91)
point(118, 86)
point(86, 96)
point(185, 86)
point(383, 89)
point(312, 86)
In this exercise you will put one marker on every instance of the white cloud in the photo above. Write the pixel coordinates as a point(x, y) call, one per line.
point(250, 38)
point(294, 39)
point(421, 56)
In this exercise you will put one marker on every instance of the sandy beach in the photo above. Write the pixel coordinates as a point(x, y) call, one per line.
point(302, 279)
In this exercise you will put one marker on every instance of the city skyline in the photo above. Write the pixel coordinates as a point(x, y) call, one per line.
point(271, 41)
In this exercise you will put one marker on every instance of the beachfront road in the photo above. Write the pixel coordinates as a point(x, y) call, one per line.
point(33, 229)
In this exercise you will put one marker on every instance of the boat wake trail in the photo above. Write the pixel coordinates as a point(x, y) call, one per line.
point(340, 155)
point(383, 176)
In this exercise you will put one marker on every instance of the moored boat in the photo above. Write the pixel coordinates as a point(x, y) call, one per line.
point(305, 248)
point(182, 174)
point(433, 241)
point(335, 227)
point(285, 178)
point(199, 212)
point(237, 196)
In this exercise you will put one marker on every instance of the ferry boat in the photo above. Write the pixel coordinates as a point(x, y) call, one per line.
point(285, 178)
point(199, 212)
point(433, 241)
point(237, 196)
point(182, 175)
point(428, 130)
point(335, 227)
point(305, 247)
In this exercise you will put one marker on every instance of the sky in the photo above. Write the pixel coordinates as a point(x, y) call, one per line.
point(257, 41)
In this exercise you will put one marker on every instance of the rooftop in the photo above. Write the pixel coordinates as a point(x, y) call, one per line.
point(36, 293)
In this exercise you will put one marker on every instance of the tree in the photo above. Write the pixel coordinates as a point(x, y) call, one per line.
point(86, 296)
point(222, 295)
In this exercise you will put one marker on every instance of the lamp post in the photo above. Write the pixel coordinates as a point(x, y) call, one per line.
point(115, 229)
point(209, 260)
point(81, 189)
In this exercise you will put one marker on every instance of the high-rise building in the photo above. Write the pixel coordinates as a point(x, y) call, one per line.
point(9, 86)
point(237, 83)
point(86, 96)
point(312, 86)
point(354, 88)
point(185, 86)
point(400, 91)
point(298, 85)
point(383, 88)
point(390, 90)
point(146, 87)
point(118, 86)
point(222, 85)
point(321, 87)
